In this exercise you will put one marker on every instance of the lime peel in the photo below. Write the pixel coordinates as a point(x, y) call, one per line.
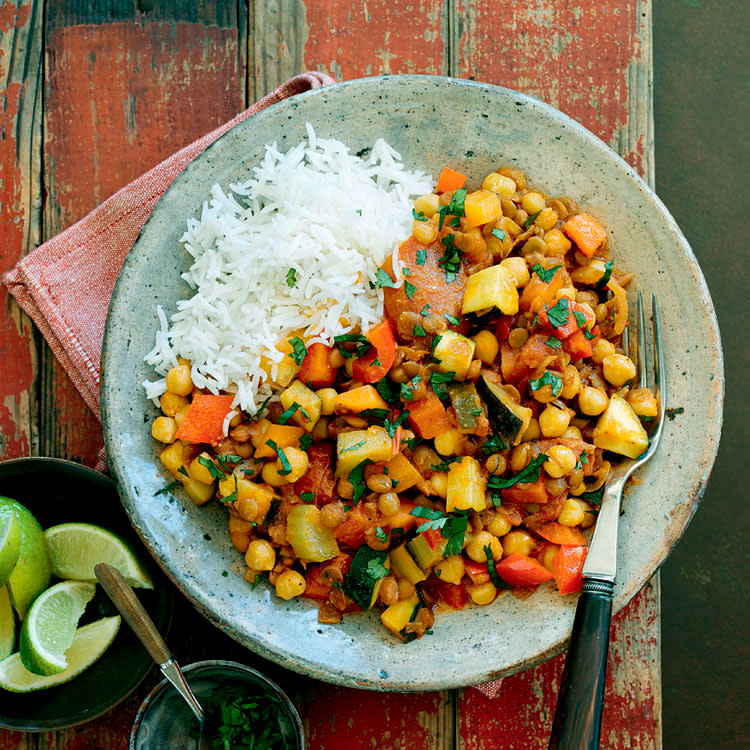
point(10, 545)
point(7, 624)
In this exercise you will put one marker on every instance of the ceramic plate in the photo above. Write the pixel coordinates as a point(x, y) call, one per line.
point(431, 121)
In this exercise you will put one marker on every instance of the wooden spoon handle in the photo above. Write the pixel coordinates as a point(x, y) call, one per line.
point(124, 598)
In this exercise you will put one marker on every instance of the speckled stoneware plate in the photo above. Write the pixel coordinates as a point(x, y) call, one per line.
point(431, 121)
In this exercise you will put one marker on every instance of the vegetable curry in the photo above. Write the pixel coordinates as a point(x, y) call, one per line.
point(454, 451)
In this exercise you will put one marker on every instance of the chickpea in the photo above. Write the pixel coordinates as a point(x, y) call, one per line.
point(171, 403)
point(572, 513)
point(425, 232)
point(450, 443)
point(602, 348)
point(328, 398)
point(260, 555)
point(379, 483)
point(239, 525)
point(388, 591)
point(372, 541)
point(519, 457)
point(290, 584)
point(553, 421)
point(518, 337)
point(434, 324)
point(487, 346)
point(475, 549)
point(482, 593)
point(556, 487)
point(546, 219)
point(425, 458)
point(618, 369)
point(548, 555)
point(349, 367)
point(516, 175)
point(246, 508)
point(518, 270)
point(592, 401)
point(521, 217)
point(504, 186)
point(574, 478)
point(199, 471)
point(571, 382)
point(532, 431)
point(398, 374)
point(199, 492)
point(499, 526)
point(179, 381)
point(389, 504)
point(336, 358)
point(589, 516)
point(270, 474)
point(495, 464)
point(533, 203)
point(240, 541)
point(180, 415)
point(561, 461)
point(427, 205)
point(572, 433)
point(405, 588)
point(643, 402)
point(345, 489)
point(164, 429)
point(332, 514)
point(557, 243)
point(518, 541)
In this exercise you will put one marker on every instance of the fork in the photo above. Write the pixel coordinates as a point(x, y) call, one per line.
point(578, 715)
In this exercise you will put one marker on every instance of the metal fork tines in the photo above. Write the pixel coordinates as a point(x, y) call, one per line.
point(601, 561)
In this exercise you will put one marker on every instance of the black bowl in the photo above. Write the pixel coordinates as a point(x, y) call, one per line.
point(58, 491)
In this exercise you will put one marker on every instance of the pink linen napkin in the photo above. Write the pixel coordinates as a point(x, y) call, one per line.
point(88, 256)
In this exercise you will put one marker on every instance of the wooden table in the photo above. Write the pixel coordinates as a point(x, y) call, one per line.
point(95, 93)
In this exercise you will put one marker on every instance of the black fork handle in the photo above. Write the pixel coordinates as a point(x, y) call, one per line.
point(578, 716)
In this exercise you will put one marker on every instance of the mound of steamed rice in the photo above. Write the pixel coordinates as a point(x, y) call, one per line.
point(290, 250)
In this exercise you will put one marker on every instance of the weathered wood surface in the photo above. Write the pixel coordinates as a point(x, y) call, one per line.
point(129, 81)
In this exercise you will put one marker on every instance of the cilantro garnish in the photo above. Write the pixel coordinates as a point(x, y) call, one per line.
point(363, 343)
point(453, 528)
point(606, 275)
point(418, 216)
point(374, 413)
point(493, 444)
point(547, 379)
point(452, 319)
point(308, 497)
point(213, 469)
point(558, 313)
point(580, 318)
point(530, 220)
point(305, 441)
point(445, 465)
point(594, 497)
point(357, 478)
point(291, 278)
point(260, 409)
point(286, 467)
point(583, 459)
point(231, 498)
point(285, 416)
point(438, 381)
point(407, 389)
point(409, 288)
point(299, 350)
point(588, 334)
point(380, 535)
point(392, 427)
point(492, 570)
point(500, 234)
point(554, 343)
point(383, 279)
point(529, 474)
point(384, 389)
point(419, 330)
point(421, 256)
point(182, 470)
point(168, 488)
point(406, 271)
point(376, 569)
point(425, 311)
point(497, 499)
point(545, 274)
point(450, 259)
point(353, 447)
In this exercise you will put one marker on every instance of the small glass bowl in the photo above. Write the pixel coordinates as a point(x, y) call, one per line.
point(165, 722)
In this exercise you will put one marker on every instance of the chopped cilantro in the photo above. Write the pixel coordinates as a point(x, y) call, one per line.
point(497, 499)
point(412, 443)
point(384, 389)
point(453, 528)
point(604, 280)
point(383, 279)
point(357, 478)
point(452, 319)
point(456, 206)
point(354, 447)
point(500, 234)
point(418, 216)
point(291, 278)
point(231, 498)
point(529, 474)
point(182, 470)
point(167, 488)
point(374, 413)
point(438, 381)
point(594, 497)
point(492, 570)
point(286, 467)
point(554, 343)
point(493, 444)
point(213, 469)
point(299, 350)
point(406, 271)
point(450, 260)
point(580, 318)
point(308, 497)
point(305, 441)
point(419, 330)
point(547, 379)
point(380, 535)
point(392, 427)
point(558, 314)
point(545, 274)
point(409, 288)
point(588, 334)
point(530, 220)
point(285, 416)
point(376, 569)
point(445, 465)
point(421, 256)
point(425, 311)
point(407, 389)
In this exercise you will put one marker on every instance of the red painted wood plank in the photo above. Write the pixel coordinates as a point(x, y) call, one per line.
point(120, 98)
point(351, 39)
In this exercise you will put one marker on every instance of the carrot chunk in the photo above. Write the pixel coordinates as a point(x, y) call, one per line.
point(586, 232)
point(450, 180)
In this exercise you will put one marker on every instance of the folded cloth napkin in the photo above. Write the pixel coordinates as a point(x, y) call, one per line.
point(47, 283)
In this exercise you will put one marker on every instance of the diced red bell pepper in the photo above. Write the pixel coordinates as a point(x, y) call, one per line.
point(504, 326)
point(351, 531)
point(521, 570)
point(567, 567)
point(433, 537)
point(204, 421)
point(578, 346)
point(318, 478)
point(428, 416)
point(526, 492)
point(454, 595)
point(558, 534)
point(383, 349)
point(316, 369)
point(318, 587)
point(477, 572)
point(571, 325)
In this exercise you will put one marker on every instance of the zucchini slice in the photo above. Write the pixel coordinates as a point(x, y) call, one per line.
point(404, 566)
point(509, 420)
point(361, 583)
point(423, 552)
point(466, 404)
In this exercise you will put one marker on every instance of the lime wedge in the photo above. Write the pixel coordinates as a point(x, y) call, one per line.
point(75, 548)
point(7, 624)
point(89, 643)
point(10, 546)
point(31, 573)
point(50, 626)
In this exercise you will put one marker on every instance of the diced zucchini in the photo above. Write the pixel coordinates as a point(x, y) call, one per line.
point(403, 565)
point(401, 470)
point(509, 420)
point(310, 539)
point(466, 404)
point(423, 552)
point(491, 287)
point(466, 486)
point(619, 430)
point(399, 615)
point(354, 447)
point(309, 402)
point(454, 353)
point(361, 584)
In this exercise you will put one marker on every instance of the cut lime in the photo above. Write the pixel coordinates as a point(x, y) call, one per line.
point(31, 575)
point(10, 546)
point(50, 625)
point(89, 643)
point(7, 624)
point(75, 548)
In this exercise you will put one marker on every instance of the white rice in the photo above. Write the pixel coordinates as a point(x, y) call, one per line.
point(331, 216)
